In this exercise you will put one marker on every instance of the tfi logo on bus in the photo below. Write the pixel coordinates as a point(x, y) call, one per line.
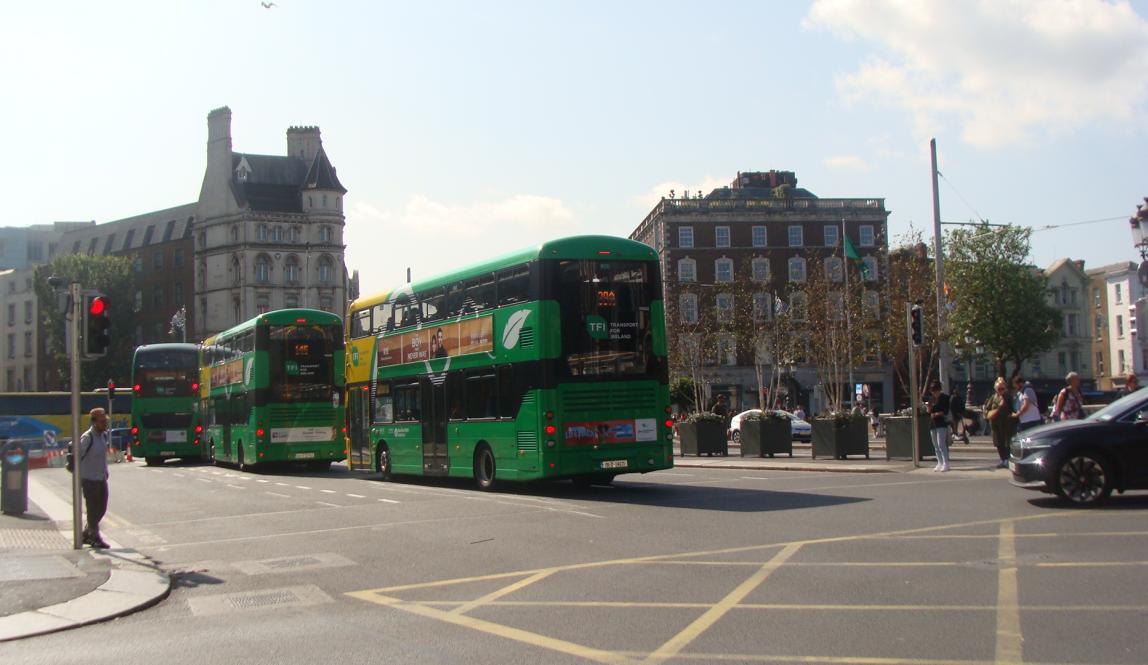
point(596, 326)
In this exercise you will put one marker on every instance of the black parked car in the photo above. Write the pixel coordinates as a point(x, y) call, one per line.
point(1082, 461)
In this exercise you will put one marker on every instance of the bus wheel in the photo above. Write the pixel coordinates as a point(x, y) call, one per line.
point(484, 468)
point(153, 461)
point(383, 461)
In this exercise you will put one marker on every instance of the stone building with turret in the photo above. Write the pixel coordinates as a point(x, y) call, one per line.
point(268, 230)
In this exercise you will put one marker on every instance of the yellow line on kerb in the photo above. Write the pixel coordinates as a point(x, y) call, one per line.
point(691, 632)
point(1009, 639)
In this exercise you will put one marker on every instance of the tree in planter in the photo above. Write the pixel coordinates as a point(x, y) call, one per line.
point(111, 275)
point(834, 327)
point(997, 296)
point(912, 280)
point(690, 340)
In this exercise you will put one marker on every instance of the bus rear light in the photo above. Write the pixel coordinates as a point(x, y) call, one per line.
point(604, 252)
point(668, 410)
point(550, 443)
point(260, 454)
point(365, 388)
point(195, 386)
point(344, 429)
point(553, 465)
point(135, 431)
point(259, 432)
point(669, 423)
point(136, 389)
point(199, 429)
point(195, 443)
point(550, 415)
point(300, 320)
point(136, 442)
point(550, 430)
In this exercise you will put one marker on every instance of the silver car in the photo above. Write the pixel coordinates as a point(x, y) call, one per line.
point(800, 429)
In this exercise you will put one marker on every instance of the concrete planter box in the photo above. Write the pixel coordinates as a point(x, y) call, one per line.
point(766, 437)
point(840, 438)
point(899, 438)
point(703, 438)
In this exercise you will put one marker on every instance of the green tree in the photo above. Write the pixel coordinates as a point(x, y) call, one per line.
point(912, 280)
point(997, 296)
point(111, 275)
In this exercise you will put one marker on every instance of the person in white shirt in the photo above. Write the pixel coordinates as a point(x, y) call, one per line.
point(1027, 409)
point(93, 469)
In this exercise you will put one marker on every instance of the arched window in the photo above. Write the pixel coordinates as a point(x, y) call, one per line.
point(291, 269)
point(797, 269)
point(326, 270)
point(262, 269)
point(687, 270)
point(236, 271)
point(760, 270)
point(723, 270)
point(234, 234)
point(834, 269)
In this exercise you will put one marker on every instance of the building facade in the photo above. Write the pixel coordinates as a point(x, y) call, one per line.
point(740, 251)
point(1115, 292)
point(18, 358)
point(269, 230)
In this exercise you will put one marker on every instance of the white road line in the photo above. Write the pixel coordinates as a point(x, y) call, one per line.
point(282, 484)
point(237, 487)
point(302, 487)
point(388, 501)
point(357, 496)
point(178, 475)
point(281, 496)
point(328, 491)
point(260, 480)
point(204, 480)
point(324, 503)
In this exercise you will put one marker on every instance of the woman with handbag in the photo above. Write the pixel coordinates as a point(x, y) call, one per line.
point(999, 412)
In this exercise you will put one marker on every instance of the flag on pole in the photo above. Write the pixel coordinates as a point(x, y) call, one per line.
point(852, 254)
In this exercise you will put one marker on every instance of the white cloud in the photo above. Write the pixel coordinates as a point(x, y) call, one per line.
point(847, 162)
point(1004, 69)
point(649, 199)
point(430, 237)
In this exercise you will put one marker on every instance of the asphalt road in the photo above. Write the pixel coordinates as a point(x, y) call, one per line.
point(683, 566)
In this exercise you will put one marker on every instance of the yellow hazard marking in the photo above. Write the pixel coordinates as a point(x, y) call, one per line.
point(1009, 639)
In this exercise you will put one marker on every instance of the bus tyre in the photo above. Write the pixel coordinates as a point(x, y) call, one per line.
point(153, 461)
point(383, 461)
point(484, 468)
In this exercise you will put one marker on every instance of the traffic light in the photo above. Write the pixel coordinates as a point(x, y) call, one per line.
point(97, 325)
point(915, 325)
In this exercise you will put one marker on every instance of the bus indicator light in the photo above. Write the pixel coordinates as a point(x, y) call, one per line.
point(550, 415)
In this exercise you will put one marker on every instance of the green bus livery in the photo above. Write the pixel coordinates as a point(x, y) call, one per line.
point(546, 363)
point(165, 403)
point(272, 390)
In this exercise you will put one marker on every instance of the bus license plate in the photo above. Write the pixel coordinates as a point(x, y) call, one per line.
point(167, 453)
point(615, 464)
point(304, 455)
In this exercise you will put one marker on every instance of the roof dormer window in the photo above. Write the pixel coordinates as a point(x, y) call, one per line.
point(243, 170)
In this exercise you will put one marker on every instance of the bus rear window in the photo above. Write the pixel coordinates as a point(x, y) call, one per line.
point(166, 373)
point(301, 362)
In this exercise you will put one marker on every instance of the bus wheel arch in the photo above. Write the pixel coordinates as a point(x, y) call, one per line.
point(485, 468)
point(383, 459)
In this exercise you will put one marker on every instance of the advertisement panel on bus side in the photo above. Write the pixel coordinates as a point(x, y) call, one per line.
point(456, 338)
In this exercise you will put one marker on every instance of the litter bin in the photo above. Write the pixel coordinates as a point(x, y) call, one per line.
point(13, 478)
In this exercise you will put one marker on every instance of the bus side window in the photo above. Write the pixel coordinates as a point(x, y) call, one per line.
point(361, 323)
point(481, 391)
point(381, 319)
point(479, 294)
point(513, 285)
point(455, 396)
point(455, 296)
point(384, 404)
point(407, 402)
point(432, 305)
point(508, 397)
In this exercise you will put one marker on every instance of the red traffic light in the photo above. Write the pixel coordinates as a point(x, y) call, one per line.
point(98, 306)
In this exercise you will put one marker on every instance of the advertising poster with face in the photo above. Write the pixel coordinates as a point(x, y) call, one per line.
point(447, 340)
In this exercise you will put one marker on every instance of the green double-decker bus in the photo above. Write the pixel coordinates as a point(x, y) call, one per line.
point(545, 363)
point(165, 403)
point(272, 390)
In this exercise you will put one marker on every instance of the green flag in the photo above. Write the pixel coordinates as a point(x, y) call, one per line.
point(851, 253)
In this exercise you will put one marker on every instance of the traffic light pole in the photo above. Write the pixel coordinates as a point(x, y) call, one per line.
point(77, 501)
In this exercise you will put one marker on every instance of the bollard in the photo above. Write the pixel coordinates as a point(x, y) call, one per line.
point(13, 479)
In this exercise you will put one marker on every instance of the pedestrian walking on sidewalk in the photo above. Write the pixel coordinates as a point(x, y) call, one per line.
point(999, 412)
point(1026, 407)
point(957, 411)
point(93, 470)
point(1069, 402)
point(1131, 385)
point(939, 427)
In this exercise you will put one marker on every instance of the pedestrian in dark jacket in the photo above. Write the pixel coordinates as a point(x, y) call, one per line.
point(939, 408)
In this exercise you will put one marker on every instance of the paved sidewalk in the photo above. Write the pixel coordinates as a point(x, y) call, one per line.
point(46, 586)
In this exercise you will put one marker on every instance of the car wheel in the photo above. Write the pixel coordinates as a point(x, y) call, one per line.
point(383, 462)
point(1084, 479)
point(737, 436)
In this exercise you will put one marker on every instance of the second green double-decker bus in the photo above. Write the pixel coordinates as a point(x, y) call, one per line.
point(165, 403)
point(272, 390)
point(546, 363)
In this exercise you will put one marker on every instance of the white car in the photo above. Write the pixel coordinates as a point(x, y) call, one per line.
point(800, 429)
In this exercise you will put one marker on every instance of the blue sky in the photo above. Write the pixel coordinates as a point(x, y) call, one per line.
point(464, 129)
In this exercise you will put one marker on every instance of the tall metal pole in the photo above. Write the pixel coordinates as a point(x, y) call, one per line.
point(914, 393)
point(939, 255)
point(77, 501)
point(848, 326)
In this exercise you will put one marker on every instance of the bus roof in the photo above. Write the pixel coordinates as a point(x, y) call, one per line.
point(167, 346)
point(280, 317)
point(573, 247)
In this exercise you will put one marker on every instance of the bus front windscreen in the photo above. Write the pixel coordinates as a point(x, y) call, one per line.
point(606, 320)
point(301, 362)
point(166, 373)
